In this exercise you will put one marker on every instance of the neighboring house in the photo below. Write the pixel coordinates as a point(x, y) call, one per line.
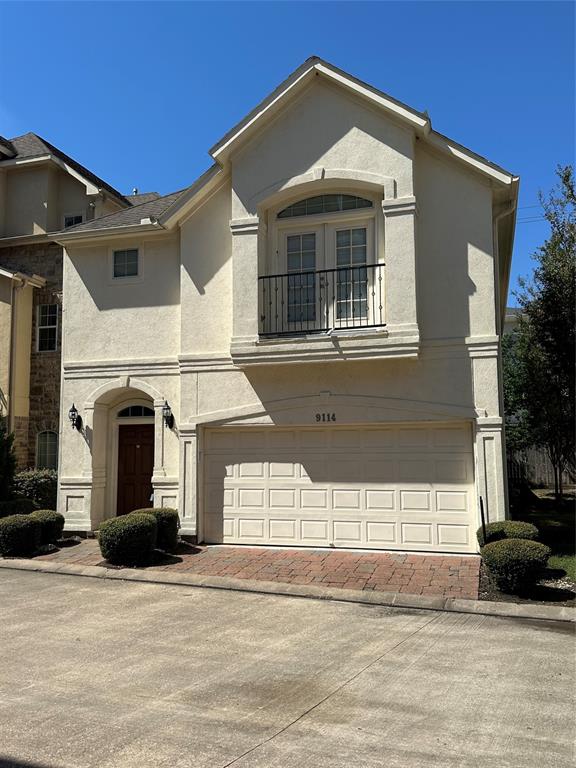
point(42, 190)
point(301, 348)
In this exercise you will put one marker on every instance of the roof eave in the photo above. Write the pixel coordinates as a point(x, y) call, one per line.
point(64, 238)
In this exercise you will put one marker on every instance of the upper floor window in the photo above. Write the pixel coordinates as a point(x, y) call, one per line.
point(47, 450)
point(324, 204)
point(71, 219)
point(47, 328)
point(125, 263)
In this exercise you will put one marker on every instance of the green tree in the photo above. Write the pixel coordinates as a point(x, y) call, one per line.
point(540, 360)
point(7, 461)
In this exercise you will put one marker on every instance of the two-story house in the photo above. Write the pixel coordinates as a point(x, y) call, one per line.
point(301, 348)
point(42, 190)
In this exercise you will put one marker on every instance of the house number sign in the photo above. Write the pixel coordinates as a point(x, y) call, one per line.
point(325, 417)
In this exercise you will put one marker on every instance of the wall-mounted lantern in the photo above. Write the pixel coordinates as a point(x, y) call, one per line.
point(167, 415)
point(75, 418)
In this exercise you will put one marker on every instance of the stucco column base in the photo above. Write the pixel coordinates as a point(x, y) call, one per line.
point(490, 463)
point(188, 489)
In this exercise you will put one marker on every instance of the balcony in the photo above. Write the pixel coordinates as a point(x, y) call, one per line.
point(298, 304)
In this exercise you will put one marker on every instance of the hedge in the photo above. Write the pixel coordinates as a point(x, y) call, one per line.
point(51, 525)
point(40, 485)
point(128, 540)
point(17, 506)
point(168, 526)
point(19, 536)
point(507, 529)
point(515, 564)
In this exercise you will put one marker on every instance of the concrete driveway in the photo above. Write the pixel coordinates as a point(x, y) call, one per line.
point(117, 674)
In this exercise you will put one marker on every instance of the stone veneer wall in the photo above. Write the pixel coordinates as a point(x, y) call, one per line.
point(44, 259)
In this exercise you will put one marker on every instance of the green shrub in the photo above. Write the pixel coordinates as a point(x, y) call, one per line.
point(51, 525)
point(19, 536)
point(7, 460)
point(168, 526)
point(39, 485)
point(515, 563)
point(128, 540)
point(17, 506)
point(507, 529)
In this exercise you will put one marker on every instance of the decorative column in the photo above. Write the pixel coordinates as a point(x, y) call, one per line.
point(490, 463)
point(159, 469)
point(244, 280)
point(400, 274)
point(188, 489)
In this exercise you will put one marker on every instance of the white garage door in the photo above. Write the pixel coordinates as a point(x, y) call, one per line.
point(396, 487)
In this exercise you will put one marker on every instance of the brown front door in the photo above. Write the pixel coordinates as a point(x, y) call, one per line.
point(135, 465)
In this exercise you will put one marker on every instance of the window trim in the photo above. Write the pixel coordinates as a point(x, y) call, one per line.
point(131, 279)
point(38, 327)
point(36, 457)
point(73, 213)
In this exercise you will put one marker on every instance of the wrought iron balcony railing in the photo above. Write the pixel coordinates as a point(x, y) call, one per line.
point(299, 303)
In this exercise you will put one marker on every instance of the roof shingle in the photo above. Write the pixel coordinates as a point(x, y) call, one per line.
point(132, 215)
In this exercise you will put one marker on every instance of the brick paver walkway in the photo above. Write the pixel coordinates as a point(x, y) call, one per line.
point(444, 576)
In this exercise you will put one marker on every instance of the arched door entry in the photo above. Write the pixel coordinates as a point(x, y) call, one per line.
point(135, 467)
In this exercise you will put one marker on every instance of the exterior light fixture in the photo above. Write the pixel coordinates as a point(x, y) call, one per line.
point(75, 418)
point(167, 415)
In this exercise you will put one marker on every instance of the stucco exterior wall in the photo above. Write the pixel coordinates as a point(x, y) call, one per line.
point(206, 275)
point(27, 194)
point(322, 128)
point(455, 263)
point(109, 319)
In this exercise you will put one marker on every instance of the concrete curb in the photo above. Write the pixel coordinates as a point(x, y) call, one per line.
point(391, 599)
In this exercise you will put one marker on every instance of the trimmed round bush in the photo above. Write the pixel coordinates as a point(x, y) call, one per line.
point(51, 525)
point(516, 564)
point(19, 536)
point(128, 540)
point(507, 529)
point(17, 506)
point(168, 526)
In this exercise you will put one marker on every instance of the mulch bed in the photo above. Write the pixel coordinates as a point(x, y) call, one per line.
point(553, 589)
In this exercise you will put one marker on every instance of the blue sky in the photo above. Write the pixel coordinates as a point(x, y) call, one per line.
point(138, 92)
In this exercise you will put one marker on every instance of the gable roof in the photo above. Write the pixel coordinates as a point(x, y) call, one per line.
point(152, 209)
point(173, 207)
point(315, 66)
point(30, 145)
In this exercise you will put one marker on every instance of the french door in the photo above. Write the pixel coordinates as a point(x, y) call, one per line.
point(327, 280)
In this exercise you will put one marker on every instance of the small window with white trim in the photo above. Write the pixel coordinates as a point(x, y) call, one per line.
point(125, 263)
point(47, 450)
point(71, 219)
point(47, 328)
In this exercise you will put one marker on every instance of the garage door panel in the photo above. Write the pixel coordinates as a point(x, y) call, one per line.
point(283, 529)
point(417, 500)
point(416, 534)
point(451, 501)
point(451, 470)
point(282, 498)
point(348, 531)
point(453, 535)
point(377, 500)
point(346, 498)
point(390, 487)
